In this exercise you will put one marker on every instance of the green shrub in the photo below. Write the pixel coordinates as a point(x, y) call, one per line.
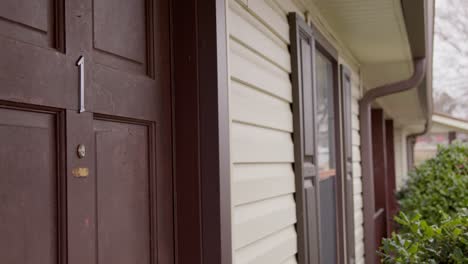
point(438, 185)
point(423, 243)
point(433, 212)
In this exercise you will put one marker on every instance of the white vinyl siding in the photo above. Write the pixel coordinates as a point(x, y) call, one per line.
point(357, 172)
point(262, 150)
point(401, 157)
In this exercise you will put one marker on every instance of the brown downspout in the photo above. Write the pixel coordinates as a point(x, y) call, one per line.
point(411, 142)
point(366, 149)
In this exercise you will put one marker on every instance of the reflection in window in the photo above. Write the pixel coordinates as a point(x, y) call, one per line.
point(325, 116)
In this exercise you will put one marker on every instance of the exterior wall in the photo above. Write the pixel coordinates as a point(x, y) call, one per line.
point(262, 155)
point(264, 210)
point(357, 173)
point(401, 159)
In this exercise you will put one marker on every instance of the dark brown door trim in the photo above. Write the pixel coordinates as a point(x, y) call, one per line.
point(201, 132)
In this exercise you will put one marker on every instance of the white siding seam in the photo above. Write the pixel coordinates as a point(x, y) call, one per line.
point(259, 18)
point(264, 237)
point(238, 121)
point(265, 199)
point(259, 89)
point(258, 53)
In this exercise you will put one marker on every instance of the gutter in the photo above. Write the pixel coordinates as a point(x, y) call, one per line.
point(366, 149)
point(411, 139)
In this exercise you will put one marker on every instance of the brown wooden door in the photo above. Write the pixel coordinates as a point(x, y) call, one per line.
point(114, 205)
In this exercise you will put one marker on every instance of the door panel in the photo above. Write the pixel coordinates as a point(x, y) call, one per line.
point(34, 67)
point(31, 21)
point(120, 32)
point(112, 205)
point(29, 209)
point(123, 192)
point(128, 53)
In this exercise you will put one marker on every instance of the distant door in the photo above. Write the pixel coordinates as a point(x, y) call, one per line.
point(90, 186)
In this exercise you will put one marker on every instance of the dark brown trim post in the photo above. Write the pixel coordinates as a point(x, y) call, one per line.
point(452, 136)
point(391, 178)
point(379, 156)
point(366, 148)
point(201, 132)
point(410, 143)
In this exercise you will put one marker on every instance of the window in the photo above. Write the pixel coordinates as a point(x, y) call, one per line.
point(321, 153)
point(325, 116)
point(326, 155)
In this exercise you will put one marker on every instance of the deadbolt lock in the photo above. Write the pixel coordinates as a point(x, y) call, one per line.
point(81, 151)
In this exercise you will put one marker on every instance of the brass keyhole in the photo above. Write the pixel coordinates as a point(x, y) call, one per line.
point(81, 151)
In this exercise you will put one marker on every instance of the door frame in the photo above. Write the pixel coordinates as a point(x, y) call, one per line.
point(309, 32)
point(200, 119)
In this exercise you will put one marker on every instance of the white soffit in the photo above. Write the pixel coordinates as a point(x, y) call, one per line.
point(374, 30)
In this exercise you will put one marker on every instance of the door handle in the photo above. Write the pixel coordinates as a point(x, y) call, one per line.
point(80, 63)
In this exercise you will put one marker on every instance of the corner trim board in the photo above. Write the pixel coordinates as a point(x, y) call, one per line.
point(201, 132)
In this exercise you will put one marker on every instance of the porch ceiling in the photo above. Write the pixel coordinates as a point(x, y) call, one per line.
point(373, 30)
point(384, 36)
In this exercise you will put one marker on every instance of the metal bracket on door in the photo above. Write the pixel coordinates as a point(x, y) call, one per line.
point(80, 64)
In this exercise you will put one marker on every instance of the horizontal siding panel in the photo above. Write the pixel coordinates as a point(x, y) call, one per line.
point(360, 254)
point(256, 220)
point(265, 12)
point(254, 107)
point(271, 249)
point(290, 260)
point(251, 144)
point(358, 217)
point(356, 169)
point(358, 203)
point(355, 122)
point(252, 69)
point(251, 182)
point(357, 185)
point(355, 107)
point(356, 138)
point(248, 30)
point(290, 6)
point(359, 232)
point(356, 153)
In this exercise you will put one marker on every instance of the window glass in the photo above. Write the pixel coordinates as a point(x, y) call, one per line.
point(326, 158)
point(325, 115)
